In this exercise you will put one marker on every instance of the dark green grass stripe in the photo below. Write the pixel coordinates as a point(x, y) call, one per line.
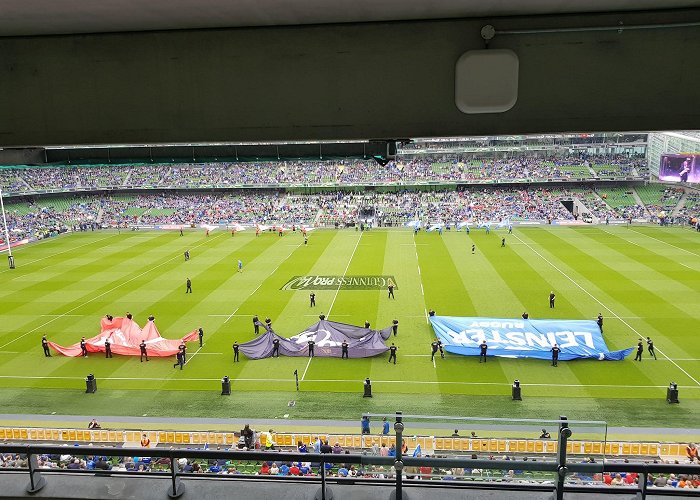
point(70, 266)
point(683, 238)
point(269, 300)
point(315, 405)
point(363, 305)
point(617, 285)
point(443, 292)
point(653, 256)
point(36, 293)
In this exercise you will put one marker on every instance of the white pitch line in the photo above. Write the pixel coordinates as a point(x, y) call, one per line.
point(344, 273)
point(434, 365)
point(261, 283)
point(667, 243)
point(59, 253)
point(336, 294)
point(64, 315)
point(339, 381)
point(189, 358)
point(305, 369)
point(605, 307)
point(684, 265)
point(100, 295)
point(335, 316)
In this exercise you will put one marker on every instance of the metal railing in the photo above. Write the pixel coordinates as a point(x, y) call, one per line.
point(398, 478)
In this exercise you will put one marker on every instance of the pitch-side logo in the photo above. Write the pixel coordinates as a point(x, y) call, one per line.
point(364, 282)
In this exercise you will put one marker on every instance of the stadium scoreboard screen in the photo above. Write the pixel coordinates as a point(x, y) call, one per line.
point(680, 168)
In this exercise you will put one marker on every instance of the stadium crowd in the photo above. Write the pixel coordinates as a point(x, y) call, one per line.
point(43, 217)
point(411, 169)
point(72, 459)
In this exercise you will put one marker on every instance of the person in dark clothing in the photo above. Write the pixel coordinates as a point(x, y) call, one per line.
point(600, 322)
point(503, 242)
point(188, 284)
point(431, 313)
point(45, 346)
point(473, 249)
point(483, 347)
point(344, 350)
point(395, 326)
point(276, 348)
point(235, 351)
point(391, 290)
point(200, 332)
point(434, 347)
point(256, 325)
point(640, 350)
point(555, 354)
point(311, 348)
point(312, 299)
point(108, 349)
point(151, 318)
point(525, 315)
point(183, 348)
point(321, 317)
point(142, 345)
point(326, 448)
point(83, 348)
point(392, 353)
point(109, 317)
point(366, 324)
point(128, 315)
point(181, 233)
point(268, 323)
point(551, 300)
point(650, 347)
point(187, 255)
point(442, 349)
point(248, 436)
point(180, 359)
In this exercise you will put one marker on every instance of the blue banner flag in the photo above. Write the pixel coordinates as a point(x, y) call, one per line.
point(524, 338)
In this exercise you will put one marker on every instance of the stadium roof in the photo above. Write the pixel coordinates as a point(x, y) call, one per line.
point(46, 17)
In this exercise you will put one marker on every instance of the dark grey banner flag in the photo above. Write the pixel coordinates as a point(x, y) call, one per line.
point(328, 336)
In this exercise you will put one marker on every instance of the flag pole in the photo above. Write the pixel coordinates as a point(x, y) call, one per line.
point(10, 258)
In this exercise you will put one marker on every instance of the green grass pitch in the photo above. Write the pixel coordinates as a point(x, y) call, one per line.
point(645, 280)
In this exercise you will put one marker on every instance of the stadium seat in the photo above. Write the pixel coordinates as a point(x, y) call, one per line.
point(551, 446)
point(33, 434)
point(439, 444)
point(178, 437)
point(502, 445)
point(114, 436)
point(625, 448)
point(521, 445)
point(597, 448)
point(635, 449)
point(539, 446)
